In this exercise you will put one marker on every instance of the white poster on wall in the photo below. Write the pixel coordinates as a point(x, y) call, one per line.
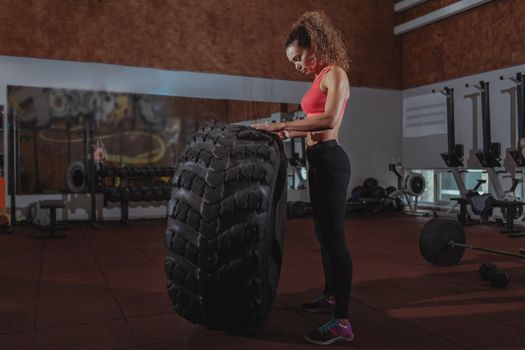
point(424, 115)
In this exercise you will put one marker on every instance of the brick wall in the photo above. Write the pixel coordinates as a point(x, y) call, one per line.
point(484, 38)
point(240, 37)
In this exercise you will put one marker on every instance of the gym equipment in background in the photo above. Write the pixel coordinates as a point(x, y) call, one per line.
point(442, 242)
point(490, 159)
point(514, 161)
point(133, 184)
point(453, 158)
point(298, 210)
point(295, 149)
point(372, 198)
point(411, 185)
point(12, 164)
point(519, 105)
point(498, 278)
point(297, 161)
point(490, 156)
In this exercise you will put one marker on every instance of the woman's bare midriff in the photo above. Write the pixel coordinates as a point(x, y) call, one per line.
point(320, 136)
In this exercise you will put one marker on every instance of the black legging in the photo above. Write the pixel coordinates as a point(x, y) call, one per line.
point(329, 174)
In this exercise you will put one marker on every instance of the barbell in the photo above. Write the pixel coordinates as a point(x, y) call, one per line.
point(442, 242)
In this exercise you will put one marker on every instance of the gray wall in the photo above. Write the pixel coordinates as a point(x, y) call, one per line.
point(424, 152)
point(371, 134)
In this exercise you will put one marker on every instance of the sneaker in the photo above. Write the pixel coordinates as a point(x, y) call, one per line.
point(329, 333)
point(321, 304)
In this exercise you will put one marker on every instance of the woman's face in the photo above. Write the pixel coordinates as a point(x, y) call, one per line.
point(303, 59)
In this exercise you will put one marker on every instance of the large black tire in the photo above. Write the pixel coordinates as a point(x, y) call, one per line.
point(225, 229)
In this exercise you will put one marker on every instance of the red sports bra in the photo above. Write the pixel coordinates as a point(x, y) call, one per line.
point(314, 100)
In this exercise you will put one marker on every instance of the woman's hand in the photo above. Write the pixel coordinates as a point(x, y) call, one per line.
point(273, 127)
point(283, 134)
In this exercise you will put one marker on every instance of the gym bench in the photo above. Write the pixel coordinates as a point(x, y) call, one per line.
point(53, 205)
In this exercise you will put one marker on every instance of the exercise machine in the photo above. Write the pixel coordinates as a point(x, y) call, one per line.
point(490, 159)
point(411, 185)
point(453, 158)
point(515, 152)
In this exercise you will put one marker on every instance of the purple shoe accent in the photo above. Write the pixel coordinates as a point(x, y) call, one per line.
point(329, 333)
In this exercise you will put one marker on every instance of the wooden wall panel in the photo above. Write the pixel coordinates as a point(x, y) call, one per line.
point(240, 37)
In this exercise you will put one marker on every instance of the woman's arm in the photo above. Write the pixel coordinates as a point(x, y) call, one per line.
point(283, 134)
point(292, 134)
point(338, 91)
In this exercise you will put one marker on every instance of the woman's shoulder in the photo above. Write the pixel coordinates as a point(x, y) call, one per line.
point(338, 70)
point(336, 74)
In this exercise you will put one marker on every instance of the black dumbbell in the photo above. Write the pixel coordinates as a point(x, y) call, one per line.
point(111, 194)
point(378, 192)
point(99, 187)
point(147, 193)
point(142, 172)
point(110, 172)
point(150, 171)
point(124, 172)
point(485, 270)
point(167, 171)
point(125, 194)
point(156, 195)
point(158, 191)
point(167, 191)
point(298, 208)
point(158, 171)
point(498, 278)
point(136, 193)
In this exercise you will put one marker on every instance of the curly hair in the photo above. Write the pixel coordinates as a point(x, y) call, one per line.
point(314, 30)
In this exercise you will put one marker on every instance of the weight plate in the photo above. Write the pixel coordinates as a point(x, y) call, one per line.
point(434, 241)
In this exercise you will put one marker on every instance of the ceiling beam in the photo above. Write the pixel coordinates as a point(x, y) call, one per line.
point(438, 15)
point(406, 4)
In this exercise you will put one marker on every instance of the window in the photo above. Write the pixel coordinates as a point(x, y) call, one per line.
point(441, 186)
point(448, 189)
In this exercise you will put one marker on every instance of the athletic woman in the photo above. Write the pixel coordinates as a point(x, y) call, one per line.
point(315, 47)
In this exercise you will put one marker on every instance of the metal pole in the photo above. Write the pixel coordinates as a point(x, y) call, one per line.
point(521, 100)
point(485, 112)
point(91, 171)
point(12, 166)
point(450, 120)
point(495, 183)
point(494, 251)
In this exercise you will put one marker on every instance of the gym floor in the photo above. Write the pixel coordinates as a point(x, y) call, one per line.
point(104, 289)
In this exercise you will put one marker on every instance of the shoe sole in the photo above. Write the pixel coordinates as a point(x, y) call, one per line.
point(328, 342)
